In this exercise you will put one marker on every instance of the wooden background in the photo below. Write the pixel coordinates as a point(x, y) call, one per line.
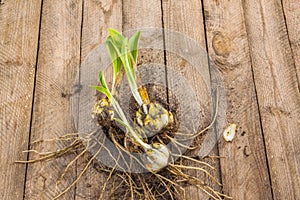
point(254, 43)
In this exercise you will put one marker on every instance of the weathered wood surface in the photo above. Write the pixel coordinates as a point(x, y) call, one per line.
point(182, 65)
point(254, 44)
point(278, 94)
point(98, 16)
point(291, 14)
point(57, 66)
point(19, 29)
point(244, 168)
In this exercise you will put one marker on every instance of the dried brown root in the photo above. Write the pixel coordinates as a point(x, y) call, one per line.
point(69, 165)
point(195, 182)
point(174, 141)
point(198, 169)
point(168, 183)
point(75, 146)
point(66, 137)
point(140, 187)
point(147, 191)
point(105, 183)
point(195, 160)
point(118, 186)
point(46, 156)
point(79, 176)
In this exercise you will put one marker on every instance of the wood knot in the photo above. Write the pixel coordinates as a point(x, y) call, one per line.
point(222, 44)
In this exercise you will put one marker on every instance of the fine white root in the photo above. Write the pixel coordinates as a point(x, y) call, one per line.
point(194, 160)
point(51, 155)
point(69, 165)
point(199, 169)
point(167, 177)
point(105, 183)
point(78, 177)
point(66, 137)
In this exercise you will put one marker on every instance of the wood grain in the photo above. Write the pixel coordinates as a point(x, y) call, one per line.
point(98, 17)
point(148, 19)
point(291, 12)
point(278, 94)
point(244, 167)
point(181, 57)
point(138, 14)
point(254, 44)
point(58, 63)
point(19, 28)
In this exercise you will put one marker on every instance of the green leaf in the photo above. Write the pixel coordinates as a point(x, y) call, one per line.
point(117, 37)
point(122, 123)
point(103, 90)
point(133, 45)
point(119, 49)
point(123, 47)
point(126, 62)
point(116, 60)
point(102, 79)
point(130, 72)
point(120, 45)
point(125, 59)
point(113, 32)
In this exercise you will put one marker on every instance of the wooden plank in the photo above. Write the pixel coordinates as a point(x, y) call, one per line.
point(187, 19)
point(278, 94)
point(244, 168)
point(19, 28)
point(98, 17)
point(291, 9)
point(58, 63)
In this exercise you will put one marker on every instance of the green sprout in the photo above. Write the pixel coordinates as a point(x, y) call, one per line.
point(104, 90)
point(157, 154)
point(124, 52)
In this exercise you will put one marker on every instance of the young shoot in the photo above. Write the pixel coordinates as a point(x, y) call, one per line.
point(124, 51)
point(103, 88)
point(116, 60)
point(157, 154)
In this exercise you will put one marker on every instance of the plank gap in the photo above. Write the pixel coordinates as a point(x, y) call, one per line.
point(33, 97)
point(80, 60)
point(164, 51)
point(209, 70)
point(258, 106)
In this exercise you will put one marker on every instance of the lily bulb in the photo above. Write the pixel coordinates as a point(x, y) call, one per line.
point(157, 157)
